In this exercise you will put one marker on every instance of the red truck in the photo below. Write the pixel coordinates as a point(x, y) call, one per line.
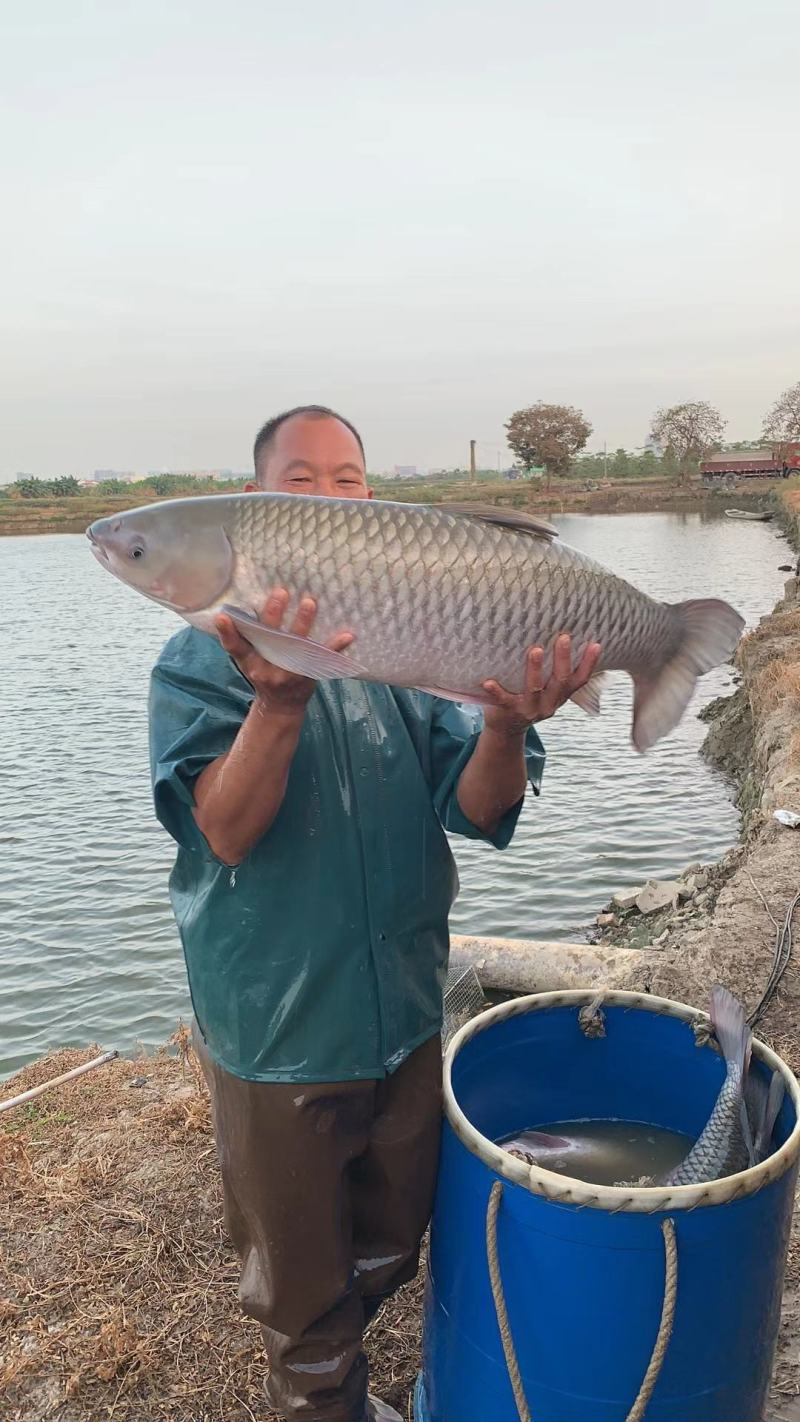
point(766, 462)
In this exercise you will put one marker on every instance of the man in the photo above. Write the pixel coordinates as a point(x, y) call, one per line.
point(312, 887)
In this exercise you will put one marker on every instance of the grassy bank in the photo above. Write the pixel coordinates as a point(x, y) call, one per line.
point(117, 1284)
point(73, 515)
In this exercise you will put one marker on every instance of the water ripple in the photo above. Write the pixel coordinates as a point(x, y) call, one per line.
point(89, 947)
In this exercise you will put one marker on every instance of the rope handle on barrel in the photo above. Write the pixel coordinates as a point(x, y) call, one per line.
point(664, 1328)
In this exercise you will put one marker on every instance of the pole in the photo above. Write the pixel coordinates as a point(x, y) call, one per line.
point(472, 470)
point(56, 1081)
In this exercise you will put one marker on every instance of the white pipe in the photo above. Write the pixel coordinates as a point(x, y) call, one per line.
point(526, 965)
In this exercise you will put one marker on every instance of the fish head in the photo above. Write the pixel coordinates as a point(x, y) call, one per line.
point(177, 552)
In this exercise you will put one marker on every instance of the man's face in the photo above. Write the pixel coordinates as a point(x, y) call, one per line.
point(313, 456)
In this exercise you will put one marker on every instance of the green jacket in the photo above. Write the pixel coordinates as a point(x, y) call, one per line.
point(322, 956)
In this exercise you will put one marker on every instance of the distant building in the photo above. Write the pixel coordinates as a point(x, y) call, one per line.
point(127, 476)
point(405, 471)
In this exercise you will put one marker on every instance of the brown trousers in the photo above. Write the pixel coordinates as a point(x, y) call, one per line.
point(328, 1190)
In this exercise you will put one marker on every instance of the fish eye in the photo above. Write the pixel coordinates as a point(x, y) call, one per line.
point(137, 551)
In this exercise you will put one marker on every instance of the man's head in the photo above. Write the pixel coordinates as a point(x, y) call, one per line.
point(310, 450)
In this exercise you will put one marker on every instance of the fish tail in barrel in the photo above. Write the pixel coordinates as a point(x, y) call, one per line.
point(726, 1143)
point(731, 1029)
point(709, 632)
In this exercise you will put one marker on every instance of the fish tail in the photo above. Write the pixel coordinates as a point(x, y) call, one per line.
point(710, 631)
point(731, 1029)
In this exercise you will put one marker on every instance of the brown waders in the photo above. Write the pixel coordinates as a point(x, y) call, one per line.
point(328, 1190)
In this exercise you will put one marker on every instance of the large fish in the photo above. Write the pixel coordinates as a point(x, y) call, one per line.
point(438, 598)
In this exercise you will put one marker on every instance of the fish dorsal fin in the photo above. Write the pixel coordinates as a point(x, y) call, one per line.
point(513, 519)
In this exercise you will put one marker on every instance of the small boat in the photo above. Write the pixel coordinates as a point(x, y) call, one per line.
point(751, 517)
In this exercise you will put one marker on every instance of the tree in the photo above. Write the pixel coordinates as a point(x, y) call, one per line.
point(687, 432)
point(66, 486)
point(782, 423)
point(548, 434)
point(29, 486)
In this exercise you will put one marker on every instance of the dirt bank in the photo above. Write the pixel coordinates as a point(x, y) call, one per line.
point(726, 932)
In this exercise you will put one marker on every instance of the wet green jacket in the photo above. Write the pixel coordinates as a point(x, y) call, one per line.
point(322, 956)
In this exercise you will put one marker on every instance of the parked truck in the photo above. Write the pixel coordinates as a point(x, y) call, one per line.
point(776, 461)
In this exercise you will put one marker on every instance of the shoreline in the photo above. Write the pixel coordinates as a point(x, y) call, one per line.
point(752, 741)
point(26, 517)
point(725, 929)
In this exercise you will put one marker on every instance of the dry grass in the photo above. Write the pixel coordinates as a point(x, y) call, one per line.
point(117, 1283)
point(791, 497)
point(778, 684)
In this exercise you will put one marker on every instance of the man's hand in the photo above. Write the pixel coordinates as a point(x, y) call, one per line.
point(511, 714)
point(494, 778)
point(277, 691)
point(228, 812)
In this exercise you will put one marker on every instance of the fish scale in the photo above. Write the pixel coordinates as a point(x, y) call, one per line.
point(435, 598)
point(430, 550)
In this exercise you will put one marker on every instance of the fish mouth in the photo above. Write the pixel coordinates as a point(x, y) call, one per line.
point(100, 553)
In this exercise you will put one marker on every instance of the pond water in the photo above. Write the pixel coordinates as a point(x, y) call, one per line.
point(88, 947)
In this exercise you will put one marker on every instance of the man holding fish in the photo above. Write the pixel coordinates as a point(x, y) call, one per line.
point(308, 758)
point(312, 890)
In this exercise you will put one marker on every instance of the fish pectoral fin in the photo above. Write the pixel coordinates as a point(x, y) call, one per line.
point(292, 653)
point(766, 1114)
point(747, 1133)
point(588, 696)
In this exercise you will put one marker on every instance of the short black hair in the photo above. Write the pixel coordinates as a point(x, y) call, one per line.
point(268, 431)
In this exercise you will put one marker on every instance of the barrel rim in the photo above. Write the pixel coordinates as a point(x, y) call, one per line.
point(640, 1199)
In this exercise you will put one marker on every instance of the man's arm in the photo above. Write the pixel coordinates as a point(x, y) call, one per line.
point(494, 778)
point(238, 795)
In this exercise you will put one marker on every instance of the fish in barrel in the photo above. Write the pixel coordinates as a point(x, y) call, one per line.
point(440, 598)
point(738, 1133)
point(739, 1130)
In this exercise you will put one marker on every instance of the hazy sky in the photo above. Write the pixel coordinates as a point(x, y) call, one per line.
point(424, 214)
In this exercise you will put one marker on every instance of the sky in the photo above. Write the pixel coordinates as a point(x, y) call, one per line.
point(424, 214)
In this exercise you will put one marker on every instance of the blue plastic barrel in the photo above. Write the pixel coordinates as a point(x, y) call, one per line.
point(583, 1267)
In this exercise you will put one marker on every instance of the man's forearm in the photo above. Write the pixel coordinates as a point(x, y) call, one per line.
point(238, 796)
point(494, 778)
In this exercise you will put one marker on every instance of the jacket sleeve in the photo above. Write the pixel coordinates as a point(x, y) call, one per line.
point(454, 735)
point(195, 712)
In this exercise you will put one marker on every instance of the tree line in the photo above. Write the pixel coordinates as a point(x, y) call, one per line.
point(543, 435)
point(552, 437)
point(29, 486)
